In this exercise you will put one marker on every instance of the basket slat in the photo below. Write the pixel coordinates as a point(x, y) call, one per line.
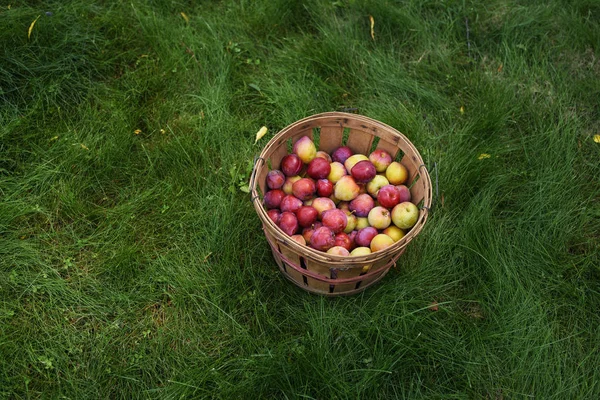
point(331, 138)
point(360, 141)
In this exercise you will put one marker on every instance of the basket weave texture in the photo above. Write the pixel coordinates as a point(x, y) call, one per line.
point(316, 271)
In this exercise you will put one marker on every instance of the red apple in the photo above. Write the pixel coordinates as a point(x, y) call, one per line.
point(307, 215)
point(365, 235)
point(361, 205)
point(273, 198)
point(322, 239)
point(324, 188)
point(274, 215)
point(304, 188)
point(308, 231)
point(275, 179)
point(288, 223)
point(343, 240)
point(388, 196)
point(318, 168)
point(290, 203)
point(334, 219)
point(363, 171)
point(404, 193)
point(291, 165)
point(341, 154)
point(381, 159)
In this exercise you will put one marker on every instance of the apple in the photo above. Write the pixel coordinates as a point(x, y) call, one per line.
point(300, 239)
point(405, 215)
point(308, 231)
point(307, 215)
point(339, 251)
point(405, 194)
point(389, 196)
point(380, 242)
point(346, 188)
point(318, 168)
point(325, 188)
point(352, 237)
point(304, 188)
point(335, 199)
point(288, 223)
point(290, 203)
point(323, 154)
point(322, 239)
point(360, 251)
point(337, 171)
point(396, 173)
point(274, 215)
point(363, 171)
point(365, 235)
point(341, 154)
point(305, 149)
point(289, 183)
point(381, 159)
point(334, 219)
point(361, 205)
point(379, 217)
point(352, 221)
point(275, 179)
point(343, 240)
point(322, 204)
point(394, 232)
point(376, 184)
point(273, 198)
point(291, 165)
point(361, 222)
point(352, 160)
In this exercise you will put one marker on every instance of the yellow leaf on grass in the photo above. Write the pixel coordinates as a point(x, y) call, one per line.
point(137, 131)
point(83, 146)
point(462, 109)
point(31, 27)
point(597, 138)
point(483, 156)
point(261, 132)
point(187, 19)
point(372, 26)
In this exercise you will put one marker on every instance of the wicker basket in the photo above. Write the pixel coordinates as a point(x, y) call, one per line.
point(316, 271)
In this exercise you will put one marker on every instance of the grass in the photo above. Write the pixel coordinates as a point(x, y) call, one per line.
point(132, 265)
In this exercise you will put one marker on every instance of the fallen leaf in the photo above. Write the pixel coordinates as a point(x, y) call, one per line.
point(83, 146)
point(597, 138)
point(54, 138)
point(434, 306)
point(31, 26)
point(483, 156)
point(372, 26)
point(500, 67)
point(185, 17)
point(137, 131)
point(261, 132)
point(462, 109)
point(162, 131)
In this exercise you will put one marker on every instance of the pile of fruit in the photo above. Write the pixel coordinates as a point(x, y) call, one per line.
point(342, 203)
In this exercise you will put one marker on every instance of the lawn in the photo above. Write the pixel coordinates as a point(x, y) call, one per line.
point(133, 264)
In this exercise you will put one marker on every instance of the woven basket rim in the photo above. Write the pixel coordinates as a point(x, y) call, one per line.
point(324, 257)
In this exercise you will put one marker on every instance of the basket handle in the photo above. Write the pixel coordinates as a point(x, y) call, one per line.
point(252, 184)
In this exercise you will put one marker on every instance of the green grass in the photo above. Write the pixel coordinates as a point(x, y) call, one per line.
point(133, 266)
